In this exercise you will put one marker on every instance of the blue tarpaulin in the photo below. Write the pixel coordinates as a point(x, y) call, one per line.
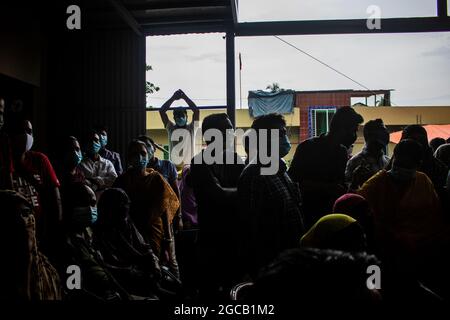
point(262, 102)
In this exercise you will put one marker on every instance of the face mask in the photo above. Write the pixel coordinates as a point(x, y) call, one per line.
point(84, 216)
point(181, 122)
point(285, 146)
point(139, 162)
point(29, 142)
point(103, 140)
point(94, 148)
point(402, 174)
point(74, 158)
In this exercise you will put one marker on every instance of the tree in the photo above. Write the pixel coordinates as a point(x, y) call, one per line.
point(274, 87)
point(150, 87)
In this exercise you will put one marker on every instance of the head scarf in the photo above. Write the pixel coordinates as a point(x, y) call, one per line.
point(335, 231)
point(354, 205)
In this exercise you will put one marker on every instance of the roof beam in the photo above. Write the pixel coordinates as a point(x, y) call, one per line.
point(353, 26)
point(126, 16)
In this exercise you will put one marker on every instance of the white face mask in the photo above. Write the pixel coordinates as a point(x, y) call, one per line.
point(30, 141)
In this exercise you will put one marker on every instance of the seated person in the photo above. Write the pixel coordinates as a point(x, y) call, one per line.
point(315, 277)
point(112, 156)
point(28, 275)
point(153, 203)
point(99, 172)
point(122, 246)
point(70, 165)
point(167, 169)
point(337, 232)
point(98, 283)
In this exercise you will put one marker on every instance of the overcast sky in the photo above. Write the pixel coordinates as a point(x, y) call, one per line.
point(417, 66)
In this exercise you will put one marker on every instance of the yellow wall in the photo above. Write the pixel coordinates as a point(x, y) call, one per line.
point(390, 115)
point(243, 119)
point(406, 115)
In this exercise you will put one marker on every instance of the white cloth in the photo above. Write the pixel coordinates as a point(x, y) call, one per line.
point(102, 172)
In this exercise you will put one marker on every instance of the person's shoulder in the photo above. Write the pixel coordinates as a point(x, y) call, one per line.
point(105, 161)
point(423, 178)
point(251, 170)
point(36, 155)
point(357, 157)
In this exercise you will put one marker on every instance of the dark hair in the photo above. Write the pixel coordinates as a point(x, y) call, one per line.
point(215, 121)
point(146, 140)
point(269, 121)
point(436, 143)
point(180, 111)
point(345, 117)
point(372, 126)
point(67, 143)
point(77, 195)
point(112, 206)
point(412, 130)
point(135, 143)
point(311, 275)
point(408, 149)
point(15, 124)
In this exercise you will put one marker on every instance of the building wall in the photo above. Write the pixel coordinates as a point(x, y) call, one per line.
point(306, 100)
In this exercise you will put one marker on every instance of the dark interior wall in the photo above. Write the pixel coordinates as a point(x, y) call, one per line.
point(97, 77)
point(78, 78)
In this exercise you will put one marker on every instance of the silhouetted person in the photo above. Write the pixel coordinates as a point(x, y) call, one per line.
point(406, 210)
point(270, 219)
point(432, 167)
point(319, 164)
point(372, 157)
point(215, 191)
point(167, 169)
point(435, 143)
point(153, 204)
point(32, 175)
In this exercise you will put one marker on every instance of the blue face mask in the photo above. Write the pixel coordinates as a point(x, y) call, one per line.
point(140, 162)
point(181, 122)
point(94, 148)
point(84, 216)
point(103, 140)
point(73, 158)
point(285, 146)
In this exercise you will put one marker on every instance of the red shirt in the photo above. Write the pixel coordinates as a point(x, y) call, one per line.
point(39, 176)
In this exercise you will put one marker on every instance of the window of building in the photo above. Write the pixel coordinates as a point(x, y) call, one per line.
point(320, 118)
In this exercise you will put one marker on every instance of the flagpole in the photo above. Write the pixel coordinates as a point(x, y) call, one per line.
point(240, 81)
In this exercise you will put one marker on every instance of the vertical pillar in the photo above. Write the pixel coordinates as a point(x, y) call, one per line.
point(231, 79)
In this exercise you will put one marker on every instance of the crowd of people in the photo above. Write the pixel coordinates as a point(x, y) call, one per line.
point(140, 230)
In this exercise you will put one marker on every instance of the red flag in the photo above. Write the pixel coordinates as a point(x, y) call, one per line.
point(240, 61)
